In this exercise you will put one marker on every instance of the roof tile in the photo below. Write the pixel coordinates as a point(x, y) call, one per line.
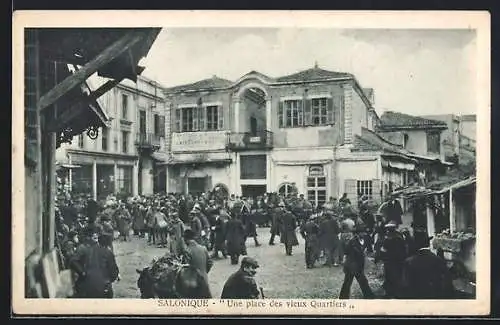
point(313, 74)
point(205, 84)
point(394, 120)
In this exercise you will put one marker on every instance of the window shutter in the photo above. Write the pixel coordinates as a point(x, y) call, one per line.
point(220, 116)
point(307, 112)
point(377, 190)
point(195, 119)
point(300, 112)
point(162, 126)
point(202, 113)
point(330, 111)
point(280, 115)
point(208, 183)
point(350, 187)
point(177, 127)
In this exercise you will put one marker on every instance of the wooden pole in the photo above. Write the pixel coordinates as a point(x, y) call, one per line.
point(103, 58)
point(452, 213)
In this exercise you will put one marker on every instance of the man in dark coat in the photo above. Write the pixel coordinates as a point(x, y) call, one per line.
point(309, 232)
point(197, 256)
point(220, 233)
point(248, 220)
point(329, 230)
point(355, 264)
point(235, 239)
point(96, 268)
point(425, 275)
point(241, 284)
point(288, 236)
point(276, 214)
point(393, 254)
point(195, 225)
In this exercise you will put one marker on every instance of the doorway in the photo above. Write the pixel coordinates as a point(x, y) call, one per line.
point(253, 190)
point(196, 185)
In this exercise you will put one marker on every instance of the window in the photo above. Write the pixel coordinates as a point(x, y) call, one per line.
point(294, 113)
point(287, 189)
point(80, 141)
point(124, 106)
point(105, 139)
point(124, 141)
point(212, 118)
point(199, 118)
point(157, 124)
point(253, 167)
point(316, 185)
point(433, 142)
point(188, 115)
point(319, 111)
point(307, 111)
point(142, 122)
point(124, 179)
point(365, 188)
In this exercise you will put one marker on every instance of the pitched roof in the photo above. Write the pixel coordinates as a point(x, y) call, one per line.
point(313, 74)
point(396, 120)
point(205, 84)
point(371, 141)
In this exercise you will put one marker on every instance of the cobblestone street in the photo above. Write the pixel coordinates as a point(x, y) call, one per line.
point(281, 276)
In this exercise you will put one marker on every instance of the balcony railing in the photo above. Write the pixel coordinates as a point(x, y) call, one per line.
point(148, 141)
point(248, 141)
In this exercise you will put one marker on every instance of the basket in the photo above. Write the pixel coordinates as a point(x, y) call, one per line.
point(449, 244)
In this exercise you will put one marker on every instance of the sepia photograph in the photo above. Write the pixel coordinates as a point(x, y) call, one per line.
point(296, 168)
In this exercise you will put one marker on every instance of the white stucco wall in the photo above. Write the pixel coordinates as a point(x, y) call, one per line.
point(357, 170)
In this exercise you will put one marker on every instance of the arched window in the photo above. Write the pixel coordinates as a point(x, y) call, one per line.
point(287, 189)
point(316, 185)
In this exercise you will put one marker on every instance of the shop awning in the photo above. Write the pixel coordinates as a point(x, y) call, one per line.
point(200, 158)
point(397, 165)
point(308, 157)
point(160, 157)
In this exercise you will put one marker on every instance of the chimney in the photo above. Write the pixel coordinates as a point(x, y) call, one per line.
point(369, 93)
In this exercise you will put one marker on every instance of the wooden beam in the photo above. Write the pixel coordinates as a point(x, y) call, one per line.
point(72, 110)
point(106, 56)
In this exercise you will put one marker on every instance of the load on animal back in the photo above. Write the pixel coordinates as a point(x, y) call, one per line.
point(169, 277)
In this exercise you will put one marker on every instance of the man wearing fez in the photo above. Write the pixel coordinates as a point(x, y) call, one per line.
point(241, 284)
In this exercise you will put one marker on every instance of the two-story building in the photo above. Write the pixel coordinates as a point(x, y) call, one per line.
point(122, 158)
point(422, 137)
point(310, 132)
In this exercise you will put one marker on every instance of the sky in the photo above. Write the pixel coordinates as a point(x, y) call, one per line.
point(418, 72)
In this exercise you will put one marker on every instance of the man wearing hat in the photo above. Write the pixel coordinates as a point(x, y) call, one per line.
point(241, 284)
point(197, 255)
point(426, 275)
point(329, 237)
point(176, 231)
point(276, 215)
point(393, 254)
point(96, 267)
point(287, 234)
point(309, 232)
point(355, 264)
point(195, 224)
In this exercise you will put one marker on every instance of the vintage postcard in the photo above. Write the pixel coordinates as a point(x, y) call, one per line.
point(251, 163)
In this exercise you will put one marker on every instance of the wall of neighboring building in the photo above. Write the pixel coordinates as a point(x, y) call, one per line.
point(359, 112)
point(468, 126)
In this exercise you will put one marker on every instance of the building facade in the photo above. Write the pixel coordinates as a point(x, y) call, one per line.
point(312, 132)
point(122, 158)
point(459, 142)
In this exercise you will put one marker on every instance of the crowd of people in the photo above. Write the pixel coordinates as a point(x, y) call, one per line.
point(336, 232)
